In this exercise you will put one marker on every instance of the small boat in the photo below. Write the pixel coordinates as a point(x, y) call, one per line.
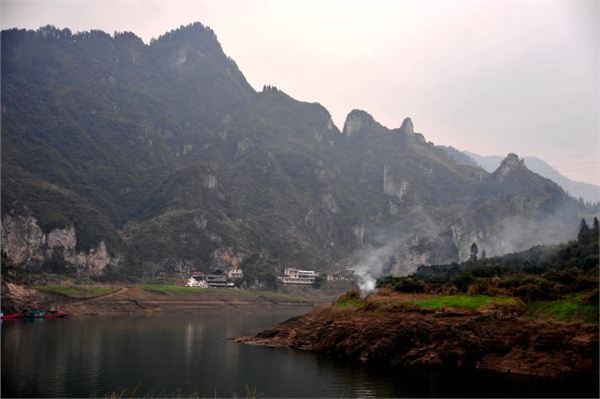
point(36, 314)
point(53, 314)
point(13, 316)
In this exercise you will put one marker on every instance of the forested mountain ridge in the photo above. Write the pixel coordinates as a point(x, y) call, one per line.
point(121, 157)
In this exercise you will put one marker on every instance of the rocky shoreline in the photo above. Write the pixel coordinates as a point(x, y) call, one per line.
point(498, 339)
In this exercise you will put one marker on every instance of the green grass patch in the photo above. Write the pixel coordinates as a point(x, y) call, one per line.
point(78, 292)
point(169, 289)
point(350, 303)
point(464, 301)
point(567, 309)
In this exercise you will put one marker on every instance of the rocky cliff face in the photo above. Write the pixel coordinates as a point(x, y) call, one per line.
point(24, 242)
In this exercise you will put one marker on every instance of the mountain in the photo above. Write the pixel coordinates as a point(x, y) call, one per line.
point(463, 158)
point(589, 192)
point(126, 159)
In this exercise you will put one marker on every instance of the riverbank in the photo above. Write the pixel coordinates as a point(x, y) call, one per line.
point(497, 334)
point(150, 298)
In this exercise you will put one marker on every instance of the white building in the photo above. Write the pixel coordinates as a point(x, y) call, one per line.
point(339, 276)
point(192, 282)
point(297, 276)
point(235, 273)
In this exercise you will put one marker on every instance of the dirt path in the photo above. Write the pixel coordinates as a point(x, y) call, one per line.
point(110, 294)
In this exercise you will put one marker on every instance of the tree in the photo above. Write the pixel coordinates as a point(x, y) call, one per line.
point(483, 254)
point(474, 251)
point(596, 228)
point(584, 232)
point(318, 282)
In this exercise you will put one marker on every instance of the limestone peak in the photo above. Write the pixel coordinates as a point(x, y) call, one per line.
point(356, 120)
point(407, 127)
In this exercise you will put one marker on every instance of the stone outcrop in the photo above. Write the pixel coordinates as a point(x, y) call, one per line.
point(508, 165)
point(359, 121)
point(407, 127)
point(25, 243)
point(393, 185)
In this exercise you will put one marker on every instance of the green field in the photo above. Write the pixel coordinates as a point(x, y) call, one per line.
point(463, 301)
point(568, 309)
point(350, 303)
point(78, 292)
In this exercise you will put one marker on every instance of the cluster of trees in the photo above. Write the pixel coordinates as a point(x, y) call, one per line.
point(587, 235)
point(542, 272)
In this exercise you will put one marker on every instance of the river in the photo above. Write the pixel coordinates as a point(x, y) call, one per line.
point(190, 355)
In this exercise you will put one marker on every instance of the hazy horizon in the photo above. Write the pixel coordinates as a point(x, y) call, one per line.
point(490, 78)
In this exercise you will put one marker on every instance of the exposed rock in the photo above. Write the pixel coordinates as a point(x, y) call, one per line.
point(22, 239)
point(200, 222)
point(352, 125)
point(407, 127)
point(242, 146)
point(360, 121)
point(211, 182)
point(359, 232)
point(392, 185)
point(330, 124)
point(329, 203)
point(181, 56)
point(227, 258)
point(25, 243)
point(509, 164)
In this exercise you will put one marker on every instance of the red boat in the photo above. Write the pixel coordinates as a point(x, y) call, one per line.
point(13, 316)
point(56, 315)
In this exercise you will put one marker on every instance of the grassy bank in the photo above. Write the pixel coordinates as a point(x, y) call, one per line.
point(464, 301)
point(77, 292)
point(570, 309)
point(431, 301)
point(349, 302)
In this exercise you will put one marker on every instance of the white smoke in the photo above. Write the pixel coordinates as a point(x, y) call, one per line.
point(370, 265)
point(393, 243)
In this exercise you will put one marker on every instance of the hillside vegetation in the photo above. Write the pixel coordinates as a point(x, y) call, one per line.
point(558, 282)
point(136, 160)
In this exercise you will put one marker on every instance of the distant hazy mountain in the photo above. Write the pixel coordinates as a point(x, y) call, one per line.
point(464, 159)
point(157, 159)
point(589, 192)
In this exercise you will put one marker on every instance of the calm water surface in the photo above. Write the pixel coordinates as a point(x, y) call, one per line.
point(189, 354)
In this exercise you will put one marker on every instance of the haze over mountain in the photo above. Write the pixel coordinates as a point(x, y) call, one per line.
point(589, 192)
point(127, 158)
point(431, 60)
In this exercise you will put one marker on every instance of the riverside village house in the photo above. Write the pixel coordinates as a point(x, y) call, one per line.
point(297, 276)
point(217, 279)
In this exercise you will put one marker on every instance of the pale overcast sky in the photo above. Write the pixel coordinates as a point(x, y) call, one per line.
point(491, 77)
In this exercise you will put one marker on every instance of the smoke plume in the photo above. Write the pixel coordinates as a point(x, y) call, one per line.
point(370, 265)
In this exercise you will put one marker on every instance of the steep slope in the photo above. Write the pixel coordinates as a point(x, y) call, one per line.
point(91, 123)
point(121, 157)
point(465, 159)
